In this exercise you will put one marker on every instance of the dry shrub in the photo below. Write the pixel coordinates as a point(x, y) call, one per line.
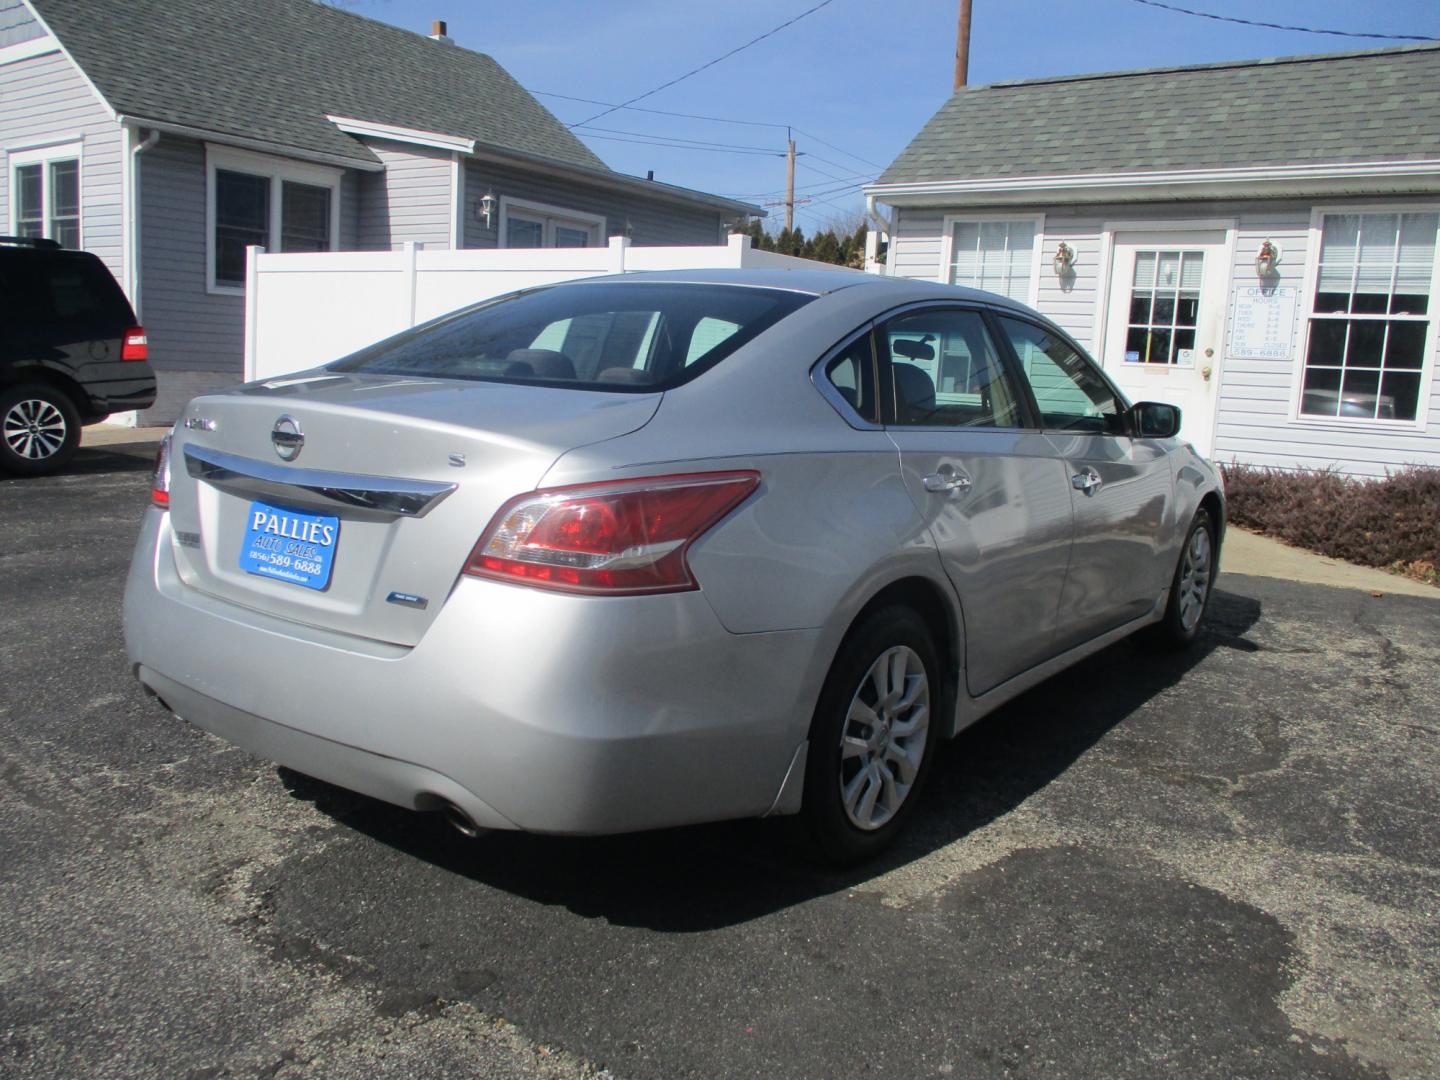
point(1394, 522)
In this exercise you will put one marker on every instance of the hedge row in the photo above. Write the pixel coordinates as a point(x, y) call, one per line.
point(1392, 523)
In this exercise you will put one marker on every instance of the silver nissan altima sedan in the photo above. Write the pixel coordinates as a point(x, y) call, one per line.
point(636, 552)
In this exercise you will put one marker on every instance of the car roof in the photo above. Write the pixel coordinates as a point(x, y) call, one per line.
point(817, 282)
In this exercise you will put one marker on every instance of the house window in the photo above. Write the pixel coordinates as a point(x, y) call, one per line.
point(535, 225)
point(269, 202)
point(1372, 317)
point(997, 256)
point(46, 183)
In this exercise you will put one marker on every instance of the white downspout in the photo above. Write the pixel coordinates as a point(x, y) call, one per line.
point(132, 254)
point(873, 237)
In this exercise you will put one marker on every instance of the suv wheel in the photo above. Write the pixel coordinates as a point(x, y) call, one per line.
point(39, 429)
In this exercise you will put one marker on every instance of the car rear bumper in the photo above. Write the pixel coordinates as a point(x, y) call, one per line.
point(527, 709)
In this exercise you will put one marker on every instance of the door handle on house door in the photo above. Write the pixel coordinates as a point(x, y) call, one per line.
point(1205, 372)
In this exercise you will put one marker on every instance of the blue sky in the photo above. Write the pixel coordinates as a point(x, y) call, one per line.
point(859, 75)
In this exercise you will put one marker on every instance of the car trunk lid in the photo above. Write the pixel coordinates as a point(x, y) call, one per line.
point(351, 502)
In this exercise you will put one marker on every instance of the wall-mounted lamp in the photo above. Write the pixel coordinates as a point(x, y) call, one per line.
point(486, 208)
point(1064, 261)
point(1267, 260)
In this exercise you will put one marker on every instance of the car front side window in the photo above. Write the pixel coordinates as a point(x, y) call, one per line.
point(1069, 394)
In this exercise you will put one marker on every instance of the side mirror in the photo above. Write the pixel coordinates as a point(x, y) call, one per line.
point(1154, 420)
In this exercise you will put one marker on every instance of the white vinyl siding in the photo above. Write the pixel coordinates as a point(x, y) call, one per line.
point(44, 104)
point(410, 201)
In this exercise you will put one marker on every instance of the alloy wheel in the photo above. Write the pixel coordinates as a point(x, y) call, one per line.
point(34, 429)
point(882, 743)
point(1194, 578)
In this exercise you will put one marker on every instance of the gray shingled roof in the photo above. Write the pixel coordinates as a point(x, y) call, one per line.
point(1381, 105)
point(271, 70)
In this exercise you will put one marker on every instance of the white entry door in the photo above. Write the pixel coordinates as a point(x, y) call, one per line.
point(1166, 318)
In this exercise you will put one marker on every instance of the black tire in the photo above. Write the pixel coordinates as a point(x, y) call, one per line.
point(39, 429)
point(827, 828)
point(1182, 622)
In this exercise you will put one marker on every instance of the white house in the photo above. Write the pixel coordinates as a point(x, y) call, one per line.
point(1253, 241)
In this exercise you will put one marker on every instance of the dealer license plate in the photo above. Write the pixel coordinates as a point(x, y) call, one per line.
point(289, 545)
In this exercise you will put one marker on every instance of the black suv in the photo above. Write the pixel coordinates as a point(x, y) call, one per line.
point(71, 353)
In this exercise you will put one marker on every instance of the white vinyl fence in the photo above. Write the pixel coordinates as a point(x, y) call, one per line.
point(304, 310)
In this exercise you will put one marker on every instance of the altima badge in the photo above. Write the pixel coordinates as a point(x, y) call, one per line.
point(199, 423)
point(289, 440)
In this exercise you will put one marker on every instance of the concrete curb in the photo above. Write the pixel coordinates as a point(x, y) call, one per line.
point(1249, 553)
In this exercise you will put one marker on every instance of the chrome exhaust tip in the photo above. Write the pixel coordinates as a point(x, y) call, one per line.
point(463, 822)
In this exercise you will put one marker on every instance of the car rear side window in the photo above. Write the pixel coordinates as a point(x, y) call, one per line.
point(852, 374)
point(946, 372)
point(600, 336)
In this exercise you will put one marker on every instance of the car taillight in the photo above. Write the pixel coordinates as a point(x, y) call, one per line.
point(622, 537)
point(135, 345)
point(160, 478)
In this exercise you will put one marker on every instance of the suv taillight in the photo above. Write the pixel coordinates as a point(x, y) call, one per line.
point(135, 345)
point(616, 538)
point(160, 477)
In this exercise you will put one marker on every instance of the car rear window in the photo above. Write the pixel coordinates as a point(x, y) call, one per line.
point(614, 337)
point(62, 289)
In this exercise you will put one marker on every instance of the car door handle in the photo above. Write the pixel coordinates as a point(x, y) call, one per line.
point(946, 480)
point(1086, 480)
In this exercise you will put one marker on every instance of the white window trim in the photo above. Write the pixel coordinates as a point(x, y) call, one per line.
point(1307, 304)
point(947, 245)
point(72, 149)
point(277, 170)
point(547, 210)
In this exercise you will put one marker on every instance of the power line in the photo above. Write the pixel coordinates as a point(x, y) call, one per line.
point(680, 139)
point(709, 64)
point(837, 149)
point(1278, 26)
point(662, 112)
point(680, 146)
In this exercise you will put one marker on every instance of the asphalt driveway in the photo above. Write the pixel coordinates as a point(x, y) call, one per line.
point(1225, 864)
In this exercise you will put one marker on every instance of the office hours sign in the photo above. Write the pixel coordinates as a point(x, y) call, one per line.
point(1263, 327)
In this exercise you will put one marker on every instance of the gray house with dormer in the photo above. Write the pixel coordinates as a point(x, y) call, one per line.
point(1253, 241)
point(166, 136)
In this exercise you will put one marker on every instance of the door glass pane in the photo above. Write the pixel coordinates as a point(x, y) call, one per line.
point(304, 217)
point(524, 232)
point(242, 218)
point(945, 372)
point(1164, 307)
point(1070, 394)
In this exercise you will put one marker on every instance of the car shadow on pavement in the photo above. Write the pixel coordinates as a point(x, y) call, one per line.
point(112, 458)
point(707, 877)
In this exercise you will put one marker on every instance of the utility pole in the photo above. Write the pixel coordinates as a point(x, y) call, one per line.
point(790, 184)
point(962, 45)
